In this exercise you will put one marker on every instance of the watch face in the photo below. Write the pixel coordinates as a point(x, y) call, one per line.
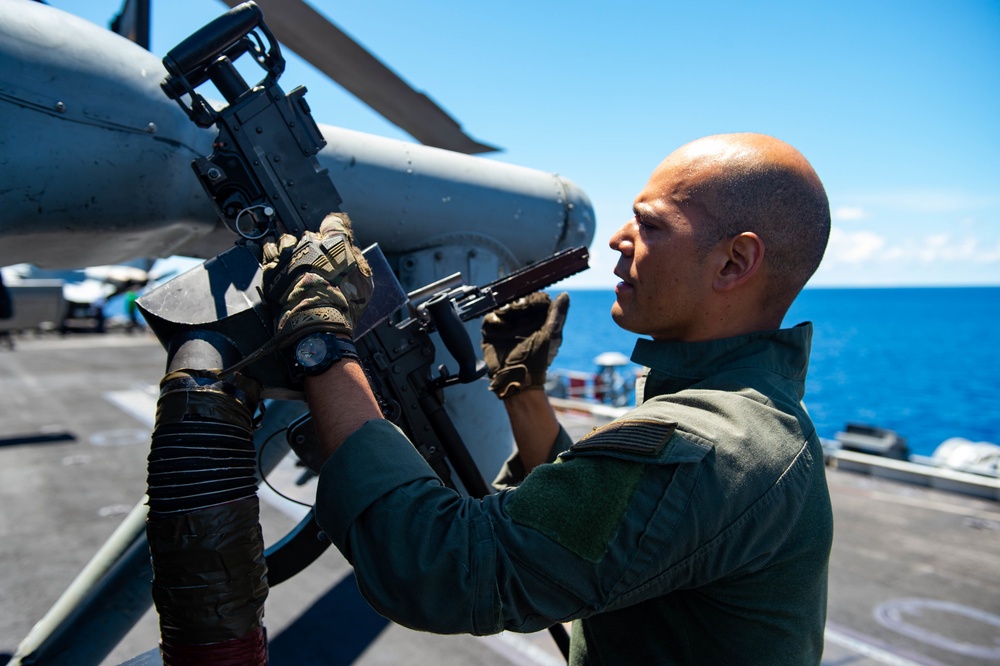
point(311, 351)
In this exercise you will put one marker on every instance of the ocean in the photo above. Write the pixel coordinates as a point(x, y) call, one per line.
point(924, 362)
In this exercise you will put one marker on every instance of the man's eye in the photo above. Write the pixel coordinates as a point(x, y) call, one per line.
point(641, 224)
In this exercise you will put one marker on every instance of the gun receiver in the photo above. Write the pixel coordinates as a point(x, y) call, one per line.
point(446, 309)
point(263, 175)
point(398, 358)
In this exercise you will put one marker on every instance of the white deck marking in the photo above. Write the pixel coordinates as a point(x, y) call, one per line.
point(520, 650)
point(140, 404)
point(895, 615)
point(866, 649)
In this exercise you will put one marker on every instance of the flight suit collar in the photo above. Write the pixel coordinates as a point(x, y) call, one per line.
point(675, 366)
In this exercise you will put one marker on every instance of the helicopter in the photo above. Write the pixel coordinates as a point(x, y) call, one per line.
point(99, 172)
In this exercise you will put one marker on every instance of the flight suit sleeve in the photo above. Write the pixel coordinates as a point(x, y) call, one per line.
point(512, 472)
point(562, 545)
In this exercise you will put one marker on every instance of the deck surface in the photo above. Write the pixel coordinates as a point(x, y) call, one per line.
point(914, 576)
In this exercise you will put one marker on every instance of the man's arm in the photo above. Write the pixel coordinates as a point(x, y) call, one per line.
point(520, 341)
point(534, 425)
point(341, 401)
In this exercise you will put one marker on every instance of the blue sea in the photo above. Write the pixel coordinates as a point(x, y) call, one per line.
point(924, 362)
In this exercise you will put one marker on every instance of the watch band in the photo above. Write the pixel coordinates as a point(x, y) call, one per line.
point(347, 347)
point(306, 363)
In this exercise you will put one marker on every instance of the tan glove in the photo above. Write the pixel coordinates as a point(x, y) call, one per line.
point(320, 282)
point(521, 339)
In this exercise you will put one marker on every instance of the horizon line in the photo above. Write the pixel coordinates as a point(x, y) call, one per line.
point(825, 286)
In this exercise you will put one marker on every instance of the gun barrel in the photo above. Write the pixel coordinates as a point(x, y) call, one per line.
point(520, 283)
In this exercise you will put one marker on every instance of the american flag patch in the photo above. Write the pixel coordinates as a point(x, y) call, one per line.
point(638, 436)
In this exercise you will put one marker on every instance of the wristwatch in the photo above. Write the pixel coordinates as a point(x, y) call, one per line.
point(315, 353)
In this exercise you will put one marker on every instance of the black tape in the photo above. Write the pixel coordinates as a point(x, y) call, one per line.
point(209, 573)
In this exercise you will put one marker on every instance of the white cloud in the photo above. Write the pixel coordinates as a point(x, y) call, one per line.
point(850, 213)
point(864, 258)
point(944, 248)
point(929, 200)
point(856, 247)
point(853, 247)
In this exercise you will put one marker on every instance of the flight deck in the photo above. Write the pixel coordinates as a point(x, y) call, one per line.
point(914, 575)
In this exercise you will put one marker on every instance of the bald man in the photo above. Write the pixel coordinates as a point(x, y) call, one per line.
point(696, 529)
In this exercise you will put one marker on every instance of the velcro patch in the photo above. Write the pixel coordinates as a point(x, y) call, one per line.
point(578, 503)
point(643, 437)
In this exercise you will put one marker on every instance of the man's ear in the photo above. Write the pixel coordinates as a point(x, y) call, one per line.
point(744, 255)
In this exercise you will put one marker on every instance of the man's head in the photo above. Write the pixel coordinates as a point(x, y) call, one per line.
point(724, 236)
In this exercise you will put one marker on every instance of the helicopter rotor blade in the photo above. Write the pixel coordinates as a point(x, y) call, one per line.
point(315, 38)
point(132, 22)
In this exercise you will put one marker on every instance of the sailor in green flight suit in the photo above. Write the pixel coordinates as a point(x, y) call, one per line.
point(696, 529)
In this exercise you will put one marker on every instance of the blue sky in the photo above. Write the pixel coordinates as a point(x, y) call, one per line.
point(896, 104)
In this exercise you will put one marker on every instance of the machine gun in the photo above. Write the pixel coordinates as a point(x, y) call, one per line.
point(262, 175)
point(264, 180)
point(398, 359)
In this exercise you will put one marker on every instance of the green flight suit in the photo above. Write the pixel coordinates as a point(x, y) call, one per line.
point(696, 529)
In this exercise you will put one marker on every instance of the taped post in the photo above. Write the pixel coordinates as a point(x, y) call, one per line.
point(205, 540)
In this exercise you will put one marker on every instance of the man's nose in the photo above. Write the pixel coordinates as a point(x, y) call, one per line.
point(620, 240)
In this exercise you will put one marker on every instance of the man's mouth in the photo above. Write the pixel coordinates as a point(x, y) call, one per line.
point(623, 288)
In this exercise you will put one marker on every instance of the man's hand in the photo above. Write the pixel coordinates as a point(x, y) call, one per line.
point(320, 282)
point(520, 341)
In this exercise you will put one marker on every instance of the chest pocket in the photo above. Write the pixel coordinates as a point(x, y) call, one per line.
point(581, 500)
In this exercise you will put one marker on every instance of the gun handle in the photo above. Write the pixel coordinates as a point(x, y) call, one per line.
point(442, 310)
point(209, 42)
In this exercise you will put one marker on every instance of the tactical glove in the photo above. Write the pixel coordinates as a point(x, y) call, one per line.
point(521, 339)
point(320, 282)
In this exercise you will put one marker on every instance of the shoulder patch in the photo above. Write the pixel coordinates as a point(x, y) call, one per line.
point(643, 437)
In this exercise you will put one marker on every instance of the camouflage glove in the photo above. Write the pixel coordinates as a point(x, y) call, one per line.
point(320, 282)
point(520, 341)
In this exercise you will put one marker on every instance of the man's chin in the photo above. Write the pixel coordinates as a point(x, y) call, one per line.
point(618, 315)
point(625, 322)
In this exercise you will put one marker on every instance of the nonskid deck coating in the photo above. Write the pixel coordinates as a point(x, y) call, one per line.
point(914, 577)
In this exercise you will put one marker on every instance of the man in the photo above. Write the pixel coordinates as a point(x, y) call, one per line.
point(696, 529)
